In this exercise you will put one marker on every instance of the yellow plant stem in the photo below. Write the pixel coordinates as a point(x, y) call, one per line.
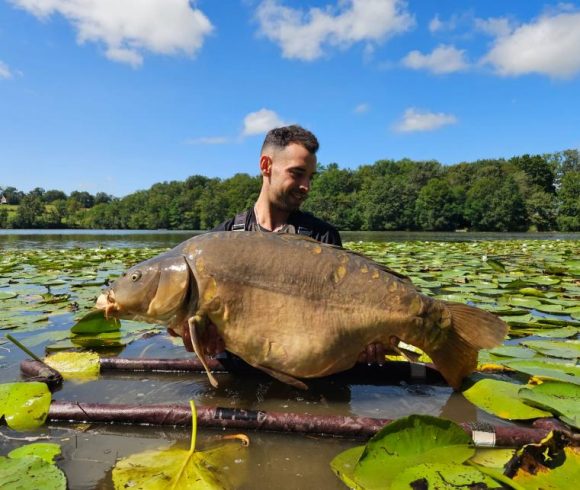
point(191, 447)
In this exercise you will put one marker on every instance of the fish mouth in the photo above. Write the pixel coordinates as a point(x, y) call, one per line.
point(106, 301)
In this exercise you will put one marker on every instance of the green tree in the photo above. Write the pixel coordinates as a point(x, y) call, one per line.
point(85, 199)
point(541, 210)
point(495, 204)
point(3, 217)
point(30, 212)
point(12, 195)
point(538, 170)
point(54, 195)
point(569, 199)
point(439, 206)
point(102, 198)
point(333, 197)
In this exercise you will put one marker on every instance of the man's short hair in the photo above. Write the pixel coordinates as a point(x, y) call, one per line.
point(280, 138)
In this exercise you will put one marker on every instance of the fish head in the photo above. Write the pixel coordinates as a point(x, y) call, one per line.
point(156, 291)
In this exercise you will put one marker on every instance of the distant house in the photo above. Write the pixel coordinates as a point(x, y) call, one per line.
point(3, 200)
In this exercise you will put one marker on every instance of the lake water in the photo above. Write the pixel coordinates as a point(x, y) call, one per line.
point(164, 238)
point(279, 461)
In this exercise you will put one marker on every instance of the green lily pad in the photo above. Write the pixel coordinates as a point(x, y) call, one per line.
point(513, 351)
point(547, 370)
point(4, 295)
point(24, 405)
point(75, 365)
point(556, 309)
point(492, 458)
point(555, 333)
point(563, 349)
point(26, 473)
point(344, 463)
point(524, 301)
point(501, 399)
point(532, 292)
point(495, 264)
point(401, 444)
point(545, 280)
point(558, 397)
point(44, 450)
point(94, 322)
point(442, 475)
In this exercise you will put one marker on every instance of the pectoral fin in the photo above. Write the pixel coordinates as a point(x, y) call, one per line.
point(195, 323)
point(285, 378)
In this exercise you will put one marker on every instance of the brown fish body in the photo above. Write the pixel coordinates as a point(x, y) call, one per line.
point(300, 309)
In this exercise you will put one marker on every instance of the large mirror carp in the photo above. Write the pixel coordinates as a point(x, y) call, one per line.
point(296, 308)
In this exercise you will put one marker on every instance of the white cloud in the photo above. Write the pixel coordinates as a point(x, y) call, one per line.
point(494, 26)
point(435, 24)
point(451, 24)
point(261, 122)
point(415, 120)
point(303, 35)
point(547, 46)
point(362, 108)
point(129, 28)
point(208, 140)
point(5, 72)
point(443, 59)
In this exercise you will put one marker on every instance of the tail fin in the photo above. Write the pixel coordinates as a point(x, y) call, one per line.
point(471, 329)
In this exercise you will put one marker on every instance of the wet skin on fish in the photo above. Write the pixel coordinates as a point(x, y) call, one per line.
point(296, 308)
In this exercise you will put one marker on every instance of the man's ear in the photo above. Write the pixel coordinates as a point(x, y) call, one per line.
point(266, 165)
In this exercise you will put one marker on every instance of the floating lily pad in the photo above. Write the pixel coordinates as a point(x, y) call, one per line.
point(544, 468)
point(439, 475)
point(562, 333)
point(24, 405)
point(563, 349)
point(547, 370)
point(23, 473)
point(545, 280)
point(513, 351)
point(532, 292)
point(492, 458)
point(555, 309)
point(95, 322)
point(44, 450)
point(213, 469)
point(75, 365)
point(558, 397)
point(404, 443)
point(501, 399)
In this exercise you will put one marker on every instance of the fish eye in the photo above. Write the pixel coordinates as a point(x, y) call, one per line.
point(136, 276)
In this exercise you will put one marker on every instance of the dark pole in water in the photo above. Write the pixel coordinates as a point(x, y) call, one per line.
point(391, 370)
point(218, 417)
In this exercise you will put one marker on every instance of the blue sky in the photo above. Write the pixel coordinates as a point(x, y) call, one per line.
point(116, 95)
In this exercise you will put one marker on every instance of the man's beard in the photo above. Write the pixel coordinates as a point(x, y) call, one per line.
point(288, 203)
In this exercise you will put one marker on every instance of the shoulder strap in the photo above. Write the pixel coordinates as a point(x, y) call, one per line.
point(304, 231)
point(240, 221)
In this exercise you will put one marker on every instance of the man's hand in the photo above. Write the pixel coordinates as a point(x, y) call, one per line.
point(373, 354)
point(213, 343)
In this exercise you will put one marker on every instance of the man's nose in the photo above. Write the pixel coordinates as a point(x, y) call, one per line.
point(305, 185)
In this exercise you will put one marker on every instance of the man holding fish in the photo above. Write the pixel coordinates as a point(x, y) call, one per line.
point(292, 306)
point(287, 165)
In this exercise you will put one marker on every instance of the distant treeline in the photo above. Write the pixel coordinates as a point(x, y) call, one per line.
point(529, 192)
